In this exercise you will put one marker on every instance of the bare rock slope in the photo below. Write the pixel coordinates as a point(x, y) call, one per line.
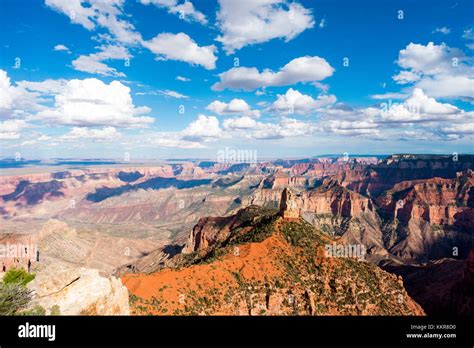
point(79, 291)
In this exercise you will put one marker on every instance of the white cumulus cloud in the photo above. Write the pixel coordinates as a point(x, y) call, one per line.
point(352, 127)
point(302, 69)
point(244, 122)
point(249, 22)
point(202, 129)
point(294, 101)
point(104, 134)
point(185, 9)
point(419, 108)
point(459, 130)
point(11, 129)
point(93, 63)
point(286, 128)
point(234, 107)
point(45, 87)
point(91, 102)
point(182, 78)
point(8, 93)
point(442, 30)
point(441, 71)
point(181, 47)
point(173, 94)
point(61, 47)
point(16, 101)
point(92, 13)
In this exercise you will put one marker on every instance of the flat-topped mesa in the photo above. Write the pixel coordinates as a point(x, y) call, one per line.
point(288, 205)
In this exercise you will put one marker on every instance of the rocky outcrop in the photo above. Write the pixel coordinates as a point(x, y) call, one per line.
point(429, 219)
point(332, 198)
point(280, 181)
point(332, 209)
point(328, 199)
point(408, 208)
point(437, 201)
point(79, 291)
point(288, 205)
point(269, 198)
point(268, 267)
point(208, 231)
point(338, 211)
point(212, 231)
point(27, 246)
point(397, 168)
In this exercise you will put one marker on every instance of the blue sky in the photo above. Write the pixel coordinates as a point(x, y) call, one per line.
point(177, 78)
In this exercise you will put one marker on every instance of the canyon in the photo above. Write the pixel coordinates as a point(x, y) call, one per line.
point(201, 237)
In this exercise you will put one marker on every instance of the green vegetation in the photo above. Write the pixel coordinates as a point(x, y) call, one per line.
point(14, 298)
point(302, 234)
point(36, 310)
point(255, 224)
point(304, 281)
point(55, 310)
point(263, 227)
point(18, 276)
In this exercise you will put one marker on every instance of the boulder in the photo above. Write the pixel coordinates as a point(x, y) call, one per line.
point(79, 291)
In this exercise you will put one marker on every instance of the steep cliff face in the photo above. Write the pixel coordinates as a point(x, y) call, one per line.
point(29, 256)
point(332, 209)
point(337, 211)
point(289, 205)
point(332, 198)
point(429, 219)
point(329, 197)
point(267, 265)
point(300, 168)
point(264, 197)
point(437, 201)
point(395, 169)
point(281, 180)
point(413, 209)
point(212, 231)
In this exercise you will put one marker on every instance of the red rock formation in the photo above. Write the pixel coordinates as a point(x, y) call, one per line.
point(398, 168)
point(437, 201)
point(210, 231)
point(8, 183)
point(332, 198)
point(300, 168)
point(270, 273)
point(428, 219)
point(288, 205)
